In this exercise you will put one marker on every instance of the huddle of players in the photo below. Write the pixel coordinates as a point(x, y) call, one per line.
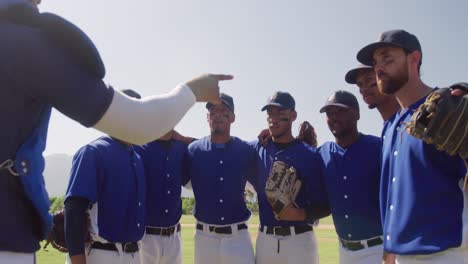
point(381, 191)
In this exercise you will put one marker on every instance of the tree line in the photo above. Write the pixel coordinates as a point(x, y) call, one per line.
point(188, 203)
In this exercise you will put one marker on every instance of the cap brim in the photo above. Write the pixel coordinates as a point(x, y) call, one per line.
point(365, 55)
point(323, 109)
point(273, 104)
point(351, 76)
point(209, 105)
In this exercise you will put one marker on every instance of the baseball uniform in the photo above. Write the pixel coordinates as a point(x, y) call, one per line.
point(109, 174)
point(162, 160)
point(422, 202)
point(218, 173)
point(352, 178)
point(36, 74)
point(287, 241)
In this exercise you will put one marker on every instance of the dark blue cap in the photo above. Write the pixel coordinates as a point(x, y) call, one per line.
point(351, 76)
point(131, 93)
point(342, 99)
point(396, 38)
point(226, 99)
point(281, 99)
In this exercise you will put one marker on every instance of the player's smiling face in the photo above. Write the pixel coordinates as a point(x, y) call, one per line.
point(341, 120)
point(391, 67)
point(220, 118)
point(280, 120)
point(367, 83)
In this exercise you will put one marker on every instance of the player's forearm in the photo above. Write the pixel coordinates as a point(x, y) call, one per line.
point(316, 212)
point(309, 214)
point(78, 259)
point(75, 225)
point(291, 213)
point(388, 258)
point(142, 121)
point(177, 136)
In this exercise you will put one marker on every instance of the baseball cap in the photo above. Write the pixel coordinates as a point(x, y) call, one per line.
point(343, 99)
point(281, 99)
point(225, 99)
point(396, 38)
point(351, 76)
point(131, 93)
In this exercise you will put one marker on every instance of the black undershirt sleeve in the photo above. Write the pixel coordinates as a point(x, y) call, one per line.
point(75, 224)
point(316, 212)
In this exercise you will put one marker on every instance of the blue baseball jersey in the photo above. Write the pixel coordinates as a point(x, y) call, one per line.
point(219, 173)
point(352, 178)
point(162, 161)
point(309, 168)
point(110, 175)
point(421, 196)
point(35, 73)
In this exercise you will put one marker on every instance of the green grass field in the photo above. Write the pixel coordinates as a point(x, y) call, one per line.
point(328, 243)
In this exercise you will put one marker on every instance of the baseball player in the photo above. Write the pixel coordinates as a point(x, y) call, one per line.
point(422, 202)
point(107, 181)
point(364, 77)
point(45, 61)
point(162, 160)
point(218, 166)
point(352, 178)
point(290, 239)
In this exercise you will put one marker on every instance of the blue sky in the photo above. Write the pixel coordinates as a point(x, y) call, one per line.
point(303, 47)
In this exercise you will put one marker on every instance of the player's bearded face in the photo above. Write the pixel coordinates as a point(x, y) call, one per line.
point(391, 67)
point(279, 121)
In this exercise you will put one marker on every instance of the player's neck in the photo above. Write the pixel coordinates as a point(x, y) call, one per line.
point(411, 92)
point(220, 138)
point(348, 139)
point(388, 109)
point(285, 138)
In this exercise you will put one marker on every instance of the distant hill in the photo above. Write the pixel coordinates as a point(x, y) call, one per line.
point(57, 173)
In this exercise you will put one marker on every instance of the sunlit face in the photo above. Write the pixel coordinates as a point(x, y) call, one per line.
point(220, 118)
point(341, 120)
point(391, 68)
point(367, 83)
point(280, 120)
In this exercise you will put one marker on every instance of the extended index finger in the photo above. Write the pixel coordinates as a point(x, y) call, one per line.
point(223, 77)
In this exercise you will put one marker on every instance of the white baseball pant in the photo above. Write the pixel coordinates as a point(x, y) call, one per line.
point(297, 249)
point(158, 249)
point(100, 256)
point(17, 258)
point(235, 248)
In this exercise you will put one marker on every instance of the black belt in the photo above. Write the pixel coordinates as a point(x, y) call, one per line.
point(162, 231)
point(128, 247)
point(222, 229)
point(285, 230)
point(358, 245)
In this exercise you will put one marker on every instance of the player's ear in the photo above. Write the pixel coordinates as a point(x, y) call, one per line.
point(208, 117)
point(415, 57)
point(293, 115)
point(357, 115)
point(232, 118)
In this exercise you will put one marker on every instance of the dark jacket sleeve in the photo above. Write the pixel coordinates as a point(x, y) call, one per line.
point(76, 224)
point(320, 207)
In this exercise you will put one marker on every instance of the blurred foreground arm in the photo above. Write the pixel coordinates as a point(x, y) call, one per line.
point(147, 119)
